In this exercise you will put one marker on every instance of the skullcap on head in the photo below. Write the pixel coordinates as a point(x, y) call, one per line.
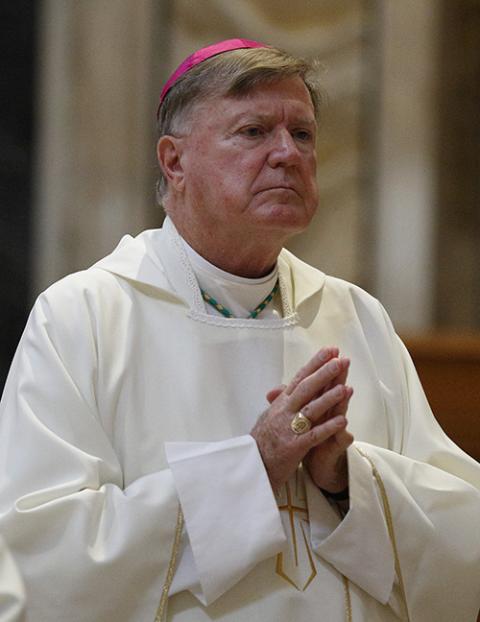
point(200, 55)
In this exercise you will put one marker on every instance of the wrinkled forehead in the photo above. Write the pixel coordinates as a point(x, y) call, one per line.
point(290, 90)
point(264, 100)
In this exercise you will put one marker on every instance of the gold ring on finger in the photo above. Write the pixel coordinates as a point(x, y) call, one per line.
point(300, 424)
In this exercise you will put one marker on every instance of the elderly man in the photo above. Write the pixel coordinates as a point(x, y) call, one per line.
point(138, 468)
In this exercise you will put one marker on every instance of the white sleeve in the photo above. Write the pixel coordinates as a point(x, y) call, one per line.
point(411, 537)
point(339, 541)
point(98, 549)
point(226, 497)
point(12, 594)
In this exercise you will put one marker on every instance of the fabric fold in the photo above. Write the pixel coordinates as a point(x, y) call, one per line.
point(231, 516)
point(359, 545)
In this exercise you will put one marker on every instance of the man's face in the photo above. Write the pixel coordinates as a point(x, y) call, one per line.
point(249, 163)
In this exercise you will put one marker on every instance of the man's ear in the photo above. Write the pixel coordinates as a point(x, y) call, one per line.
point(169, 150)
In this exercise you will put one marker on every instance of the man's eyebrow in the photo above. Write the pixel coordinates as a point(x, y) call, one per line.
point(265, 118)
point(304, 121)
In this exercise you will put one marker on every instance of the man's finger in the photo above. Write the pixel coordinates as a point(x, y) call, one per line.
point(310, 388)
point(335, 401)
point(323, 432)
point(343, 440)
point(341, 378)
point(320, 358)
point(341, 407)
point(275, 392)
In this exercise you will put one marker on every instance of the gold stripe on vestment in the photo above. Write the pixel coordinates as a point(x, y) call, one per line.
point(391, 531)
point(161, 611)
point(348, 602)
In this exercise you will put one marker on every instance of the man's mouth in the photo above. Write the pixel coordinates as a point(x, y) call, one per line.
point(280, 187)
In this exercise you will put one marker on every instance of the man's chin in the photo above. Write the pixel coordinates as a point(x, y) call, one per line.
point(292, 219)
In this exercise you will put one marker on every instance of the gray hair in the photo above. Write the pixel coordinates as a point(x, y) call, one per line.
point(231, 74)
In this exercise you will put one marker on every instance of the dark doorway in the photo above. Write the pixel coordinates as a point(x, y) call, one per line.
point(17, 55)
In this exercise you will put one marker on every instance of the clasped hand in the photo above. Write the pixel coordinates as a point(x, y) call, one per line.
point(318, 390)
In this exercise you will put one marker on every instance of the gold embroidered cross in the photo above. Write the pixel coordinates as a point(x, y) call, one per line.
point(292, 511)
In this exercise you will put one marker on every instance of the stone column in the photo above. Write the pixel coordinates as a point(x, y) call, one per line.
point(100, 71)
point(458, 248)
point(405, 232)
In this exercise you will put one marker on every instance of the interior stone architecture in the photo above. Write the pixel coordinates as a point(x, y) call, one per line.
point(398, 146)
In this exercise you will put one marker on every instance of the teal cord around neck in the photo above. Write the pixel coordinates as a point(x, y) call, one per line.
point(227, 313)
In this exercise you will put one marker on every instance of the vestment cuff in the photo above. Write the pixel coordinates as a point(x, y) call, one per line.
point(231, 515)
point(358, 546)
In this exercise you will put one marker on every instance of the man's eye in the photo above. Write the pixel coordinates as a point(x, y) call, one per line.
point(303, 135)
point(253, 131)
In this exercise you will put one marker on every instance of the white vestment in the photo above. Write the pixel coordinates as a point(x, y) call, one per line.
point(12, 595)
point(125, 455)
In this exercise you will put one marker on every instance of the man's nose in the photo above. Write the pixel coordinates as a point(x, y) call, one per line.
point(284, 150)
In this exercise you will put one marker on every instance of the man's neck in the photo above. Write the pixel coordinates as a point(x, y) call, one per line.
point(251, 259)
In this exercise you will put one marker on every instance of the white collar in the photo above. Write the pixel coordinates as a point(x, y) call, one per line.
point(239, 294)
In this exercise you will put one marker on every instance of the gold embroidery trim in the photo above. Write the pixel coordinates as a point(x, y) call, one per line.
point(391, 531)
point(348, 602)
point(292, 509)
point(171, 567)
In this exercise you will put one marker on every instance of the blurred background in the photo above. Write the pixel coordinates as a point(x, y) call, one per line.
point(399, 154)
